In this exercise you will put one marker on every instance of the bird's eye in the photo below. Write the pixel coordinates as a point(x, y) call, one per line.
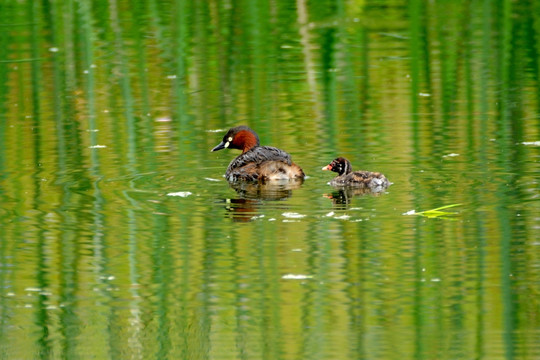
point(230, 138)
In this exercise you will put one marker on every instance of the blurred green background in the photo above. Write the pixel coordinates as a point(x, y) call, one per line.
point(119, 237)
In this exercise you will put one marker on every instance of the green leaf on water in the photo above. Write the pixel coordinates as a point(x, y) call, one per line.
point(436, 213)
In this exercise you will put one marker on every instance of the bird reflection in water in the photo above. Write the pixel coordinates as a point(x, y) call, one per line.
point(252, 196)
point(341, 198)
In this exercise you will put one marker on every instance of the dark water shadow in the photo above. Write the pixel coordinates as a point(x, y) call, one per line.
point(342, 196)
point(253, 195)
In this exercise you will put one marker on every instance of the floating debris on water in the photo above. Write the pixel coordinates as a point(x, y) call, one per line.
point(293, 215)
point(296, 277)
point(180, 193)
point(434, 213)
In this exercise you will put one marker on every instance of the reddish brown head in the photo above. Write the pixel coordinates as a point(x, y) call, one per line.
point(339, 165)
point(240, 137)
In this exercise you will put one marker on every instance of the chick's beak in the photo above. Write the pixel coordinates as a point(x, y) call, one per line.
point(327, 167)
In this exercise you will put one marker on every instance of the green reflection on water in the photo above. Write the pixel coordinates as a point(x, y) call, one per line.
point(108, 106)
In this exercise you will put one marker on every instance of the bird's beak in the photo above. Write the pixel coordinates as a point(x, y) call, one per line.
point(327, 167)
point(220, 146)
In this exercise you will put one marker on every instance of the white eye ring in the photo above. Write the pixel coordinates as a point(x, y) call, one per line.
point(230, 139)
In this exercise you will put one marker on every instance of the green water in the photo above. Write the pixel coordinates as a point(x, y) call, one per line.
point(110, 108)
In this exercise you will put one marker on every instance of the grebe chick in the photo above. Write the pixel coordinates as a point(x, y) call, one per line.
point(360, 179)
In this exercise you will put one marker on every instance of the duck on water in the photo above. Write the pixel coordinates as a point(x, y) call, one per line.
point(256, 162)
point(375, 181)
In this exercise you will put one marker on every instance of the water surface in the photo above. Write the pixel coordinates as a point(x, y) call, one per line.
point(120, 238)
